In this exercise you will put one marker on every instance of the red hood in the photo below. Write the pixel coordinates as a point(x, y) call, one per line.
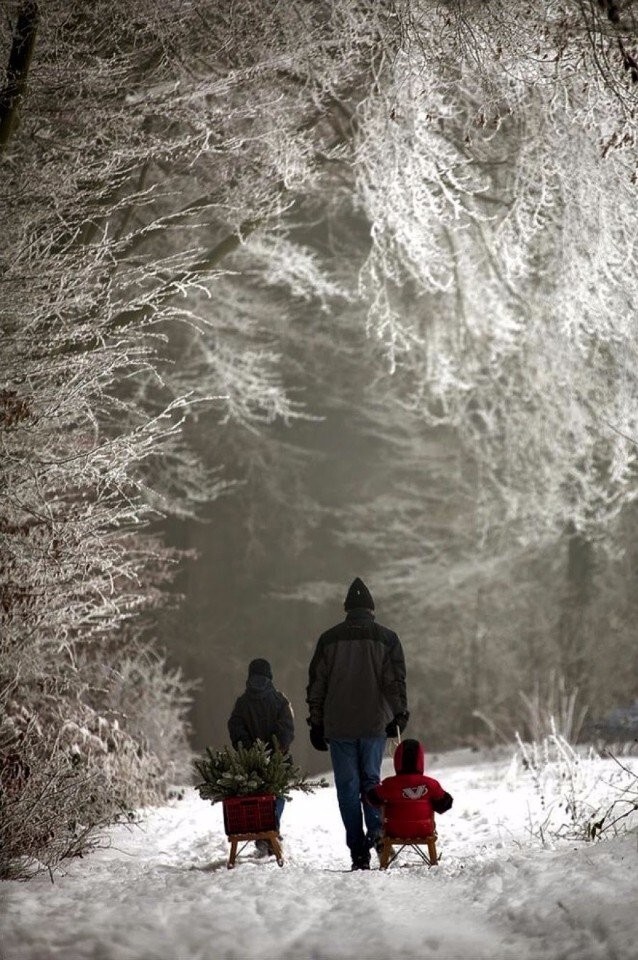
point(409, 757)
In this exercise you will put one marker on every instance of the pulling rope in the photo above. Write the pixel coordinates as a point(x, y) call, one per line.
point(392, 744)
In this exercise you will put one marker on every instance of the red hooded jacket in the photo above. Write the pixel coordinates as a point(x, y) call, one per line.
point(410, 799)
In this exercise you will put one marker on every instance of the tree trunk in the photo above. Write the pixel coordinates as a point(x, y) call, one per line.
point(18, 69)
point(573, 636)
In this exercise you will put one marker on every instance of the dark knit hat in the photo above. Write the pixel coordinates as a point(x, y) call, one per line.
point(358, 596)
point(260, 667)
point(409, 757)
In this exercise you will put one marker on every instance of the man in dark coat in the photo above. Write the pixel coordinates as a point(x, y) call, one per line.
point(262, 713)
point(357, 697)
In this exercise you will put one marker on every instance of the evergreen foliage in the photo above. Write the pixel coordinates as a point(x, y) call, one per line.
point(250, 771)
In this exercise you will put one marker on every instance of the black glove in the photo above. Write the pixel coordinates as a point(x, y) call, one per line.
point(317, 738)
point(442, 804)
point(400, 721)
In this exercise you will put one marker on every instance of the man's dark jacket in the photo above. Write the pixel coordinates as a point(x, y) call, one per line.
point(356, 681)
point(261, 713)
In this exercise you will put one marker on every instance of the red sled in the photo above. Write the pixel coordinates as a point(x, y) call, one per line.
point(251, 818)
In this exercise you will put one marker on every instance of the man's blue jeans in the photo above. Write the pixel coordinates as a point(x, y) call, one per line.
point(280, 803)
point(357, 768)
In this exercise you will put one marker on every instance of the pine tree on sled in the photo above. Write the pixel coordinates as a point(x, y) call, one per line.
point(248, 782)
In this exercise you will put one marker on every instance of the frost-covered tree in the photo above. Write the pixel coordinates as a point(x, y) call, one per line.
point(144, 147)
point(497, 168)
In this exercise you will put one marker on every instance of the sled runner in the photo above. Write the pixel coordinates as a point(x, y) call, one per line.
point(388, 855)
point(249, 819)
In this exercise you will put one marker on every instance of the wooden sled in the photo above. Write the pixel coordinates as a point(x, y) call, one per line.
point(388, 854)
point(248, 819)
point(270, 835)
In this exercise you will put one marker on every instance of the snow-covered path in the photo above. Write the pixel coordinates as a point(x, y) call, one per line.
point(161, 890)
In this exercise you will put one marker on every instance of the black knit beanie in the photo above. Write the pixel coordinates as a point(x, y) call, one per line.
point(260, 667)
point(358, 596)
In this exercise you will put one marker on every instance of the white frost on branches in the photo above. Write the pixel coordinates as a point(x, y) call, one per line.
point(498, 172)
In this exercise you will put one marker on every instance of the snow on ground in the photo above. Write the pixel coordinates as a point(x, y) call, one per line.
point(160, 890)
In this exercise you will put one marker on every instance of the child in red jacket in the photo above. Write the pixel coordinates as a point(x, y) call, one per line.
point(410, 798)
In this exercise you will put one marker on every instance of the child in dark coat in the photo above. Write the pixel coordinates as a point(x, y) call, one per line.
point(262, 713)
point(410, 799)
